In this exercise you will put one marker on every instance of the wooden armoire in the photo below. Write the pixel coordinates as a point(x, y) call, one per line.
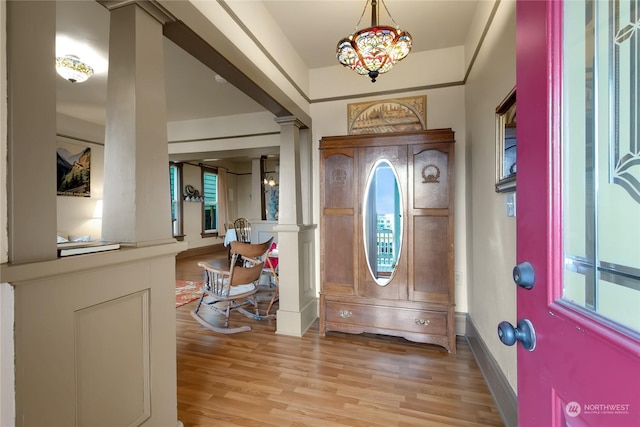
point(415, 299)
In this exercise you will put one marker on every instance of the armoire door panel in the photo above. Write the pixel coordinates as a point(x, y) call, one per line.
point(339, 174)
point(430, 179)
point(430, 267)
point(396, 155)
point(394, 290)
point(338, 253)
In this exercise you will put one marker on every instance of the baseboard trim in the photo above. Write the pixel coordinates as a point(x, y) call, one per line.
point(503, 395)
point(203, 250)
point(461, 323)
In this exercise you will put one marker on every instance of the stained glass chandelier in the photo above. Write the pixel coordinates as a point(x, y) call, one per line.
point(376, 49)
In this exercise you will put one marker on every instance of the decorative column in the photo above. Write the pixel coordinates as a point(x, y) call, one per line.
point(306, 174)
point(298, 307)
point(31, 133)
point(137, 211)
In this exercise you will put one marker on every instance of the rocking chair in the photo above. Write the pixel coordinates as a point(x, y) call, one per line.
point(232, 289)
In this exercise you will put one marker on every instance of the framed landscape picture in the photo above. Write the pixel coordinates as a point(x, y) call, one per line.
point(391, 115)
point(73, 170)
point(506, 144)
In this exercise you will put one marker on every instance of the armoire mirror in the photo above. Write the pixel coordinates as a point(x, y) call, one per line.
point(382, 221)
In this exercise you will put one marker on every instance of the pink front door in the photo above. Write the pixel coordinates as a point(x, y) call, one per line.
point(578, 219)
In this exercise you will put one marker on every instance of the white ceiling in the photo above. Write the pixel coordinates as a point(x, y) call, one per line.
point(313, 27)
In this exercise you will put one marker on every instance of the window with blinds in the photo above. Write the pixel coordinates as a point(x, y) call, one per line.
point(210, 205)
point(175, 177)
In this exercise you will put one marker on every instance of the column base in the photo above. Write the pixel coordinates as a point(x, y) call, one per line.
point(294, 323)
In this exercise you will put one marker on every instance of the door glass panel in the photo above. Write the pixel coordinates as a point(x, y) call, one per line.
point(382, 222)
point(601, 160)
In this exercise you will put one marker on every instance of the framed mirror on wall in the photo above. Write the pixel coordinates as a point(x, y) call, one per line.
point(506, 144)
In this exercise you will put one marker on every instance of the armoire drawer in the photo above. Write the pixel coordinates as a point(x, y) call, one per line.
point(380, 317)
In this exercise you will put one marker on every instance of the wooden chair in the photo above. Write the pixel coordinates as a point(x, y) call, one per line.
point(269, 292)
point(243, 230)
point(271, 262)
point(228, 226)
point(232, 289)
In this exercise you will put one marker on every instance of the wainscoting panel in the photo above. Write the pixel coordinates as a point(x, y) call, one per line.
point(122, 377)
point(95, 339)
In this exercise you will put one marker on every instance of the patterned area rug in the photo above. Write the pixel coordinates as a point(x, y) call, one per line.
point(187, 291)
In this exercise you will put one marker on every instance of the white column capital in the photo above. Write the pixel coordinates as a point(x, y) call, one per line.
point(289, 120)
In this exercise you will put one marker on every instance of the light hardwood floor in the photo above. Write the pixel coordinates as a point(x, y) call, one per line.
point(258, 378)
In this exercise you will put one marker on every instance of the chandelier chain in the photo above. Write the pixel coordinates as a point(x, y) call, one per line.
point(364, 10)
point(389, 13)
point(360, 20)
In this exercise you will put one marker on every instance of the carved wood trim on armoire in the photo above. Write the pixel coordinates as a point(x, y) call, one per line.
point(417, 303)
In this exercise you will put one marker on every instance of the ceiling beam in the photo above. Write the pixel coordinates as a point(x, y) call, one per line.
point(193, 44)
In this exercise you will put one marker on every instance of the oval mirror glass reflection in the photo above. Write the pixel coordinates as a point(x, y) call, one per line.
point(382, 221)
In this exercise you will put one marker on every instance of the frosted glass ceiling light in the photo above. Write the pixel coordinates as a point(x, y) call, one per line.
point(71, 68)
point(374, 50)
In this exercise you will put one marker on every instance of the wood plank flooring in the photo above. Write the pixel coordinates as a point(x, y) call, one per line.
point(258, 378)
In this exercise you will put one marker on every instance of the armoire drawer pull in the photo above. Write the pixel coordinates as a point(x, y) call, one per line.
point(345, 313)
point(422, 322)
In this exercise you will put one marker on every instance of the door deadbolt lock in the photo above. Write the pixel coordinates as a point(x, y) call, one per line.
point(524, 275)
point(523, 333)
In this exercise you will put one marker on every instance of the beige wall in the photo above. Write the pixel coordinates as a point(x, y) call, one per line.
point(238, 192)
point(75, 214)
point(209, 135)
point(436, 67)
point(492, 293)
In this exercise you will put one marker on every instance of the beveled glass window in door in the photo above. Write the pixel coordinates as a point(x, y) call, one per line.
point(601, 164)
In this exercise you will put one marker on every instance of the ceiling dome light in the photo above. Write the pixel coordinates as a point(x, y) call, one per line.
point(71, 68)
point(374, 50)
